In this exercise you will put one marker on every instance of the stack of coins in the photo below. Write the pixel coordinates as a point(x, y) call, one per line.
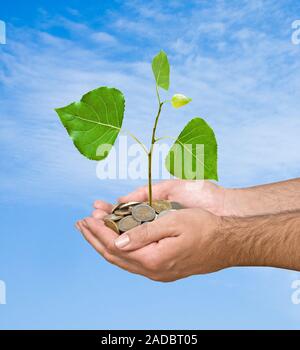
point(125, 216)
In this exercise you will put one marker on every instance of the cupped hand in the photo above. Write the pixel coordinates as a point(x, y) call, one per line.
point(191, 194)
point(177, 245)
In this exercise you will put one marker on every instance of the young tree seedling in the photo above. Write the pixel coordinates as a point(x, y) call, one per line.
point(96, 120)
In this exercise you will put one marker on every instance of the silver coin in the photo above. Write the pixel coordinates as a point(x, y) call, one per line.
point(176, 205)
point(116, 206)
point(143, 212)
point(113, 217)
point(112, 225)
point(127, 223)
point(160, 205)
point(129, 204)
point(122, 212)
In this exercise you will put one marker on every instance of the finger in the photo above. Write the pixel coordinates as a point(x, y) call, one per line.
point(113, 259)
point(99, 214)
point(77, 225)
point(107, 238)
point(104, 234)
point(98, 204)
point(149, 232)
point(91, 238)
point(159, 191)
point(145, 261)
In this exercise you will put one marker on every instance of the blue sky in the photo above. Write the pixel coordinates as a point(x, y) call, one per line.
point(237, 62)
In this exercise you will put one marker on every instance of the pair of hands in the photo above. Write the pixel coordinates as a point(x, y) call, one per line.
point(182, 243)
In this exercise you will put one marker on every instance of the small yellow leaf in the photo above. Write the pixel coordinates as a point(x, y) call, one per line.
point(179, 100)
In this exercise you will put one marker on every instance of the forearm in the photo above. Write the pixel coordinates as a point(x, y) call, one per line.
point(266, 240)
point(264, 199)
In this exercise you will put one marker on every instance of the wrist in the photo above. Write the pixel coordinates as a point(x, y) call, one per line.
point(262, 240)
point(239, 242)
point(260, 200)
point(219, 237)
point(247, 242)
point(215, 198)
point(231, 202)
point(226, 201)
point(241, 202)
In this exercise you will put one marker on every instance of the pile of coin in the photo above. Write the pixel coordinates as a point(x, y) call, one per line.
point(125, 216)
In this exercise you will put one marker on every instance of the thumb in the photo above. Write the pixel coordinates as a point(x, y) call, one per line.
point(147, 233)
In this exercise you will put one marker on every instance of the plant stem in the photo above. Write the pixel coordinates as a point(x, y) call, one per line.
point(150, 177)
point(153, 140)
point(166, 138)
point(157, 94)
point(136, 140)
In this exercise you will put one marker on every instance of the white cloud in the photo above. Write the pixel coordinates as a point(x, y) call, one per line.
point(247, 92)
point(182, 47)
point(103, 37)
point(71, 25)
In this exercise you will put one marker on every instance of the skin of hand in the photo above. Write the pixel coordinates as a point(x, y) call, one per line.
point(273, 198)
point(194, 241)
point(239, 227)
point(180, 244)
point(264, 240)
point(258, 200)
point(191, 194)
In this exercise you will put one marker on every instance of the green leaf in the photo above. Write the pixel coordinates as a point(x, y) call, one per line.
point(193, 156)
point(94, 121)
point(161, 70)
point(179, 100)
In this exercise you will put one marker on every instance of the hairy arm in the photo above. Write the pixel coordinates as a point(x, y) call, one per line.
point(264, 199)
point(267, 240)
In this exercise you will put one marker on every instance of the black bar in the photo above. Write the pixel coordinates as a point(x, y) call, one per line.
point(134, 338)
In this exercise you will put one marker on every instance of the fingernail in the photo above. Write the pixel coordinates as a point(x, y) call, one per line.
point(122, 241)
